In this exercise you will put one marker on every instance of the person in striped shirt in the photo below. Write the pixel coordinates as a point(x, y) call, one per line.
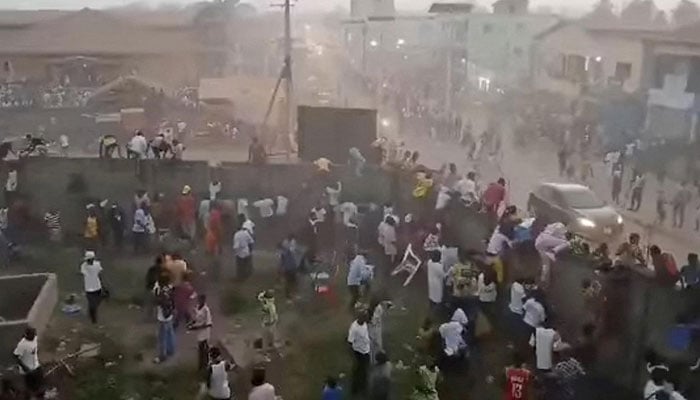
point(52, 219)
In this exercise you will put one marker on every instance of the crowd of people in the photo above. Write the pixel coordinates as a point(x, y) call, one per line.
point(16, 95)
point(474, 293)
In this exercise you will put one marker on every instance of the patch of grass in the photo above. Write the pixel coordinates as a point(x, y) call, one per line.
point(234, 302)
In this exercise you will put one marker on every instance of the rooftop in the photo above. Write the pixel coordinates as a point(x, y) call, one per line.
point(450, 7)
point(89, 32)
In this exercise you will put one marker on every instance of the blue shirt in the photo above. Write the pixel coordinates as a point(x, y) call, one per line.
point(356, 273)
point(332, 393)
point(288, 260)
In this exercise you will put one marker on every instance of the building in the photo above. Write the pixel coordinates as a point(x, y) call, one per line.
point(674, 86)
point(498, 45)
point(511, 7)
point(573, 59)
point(462, 47)
point(175, 47)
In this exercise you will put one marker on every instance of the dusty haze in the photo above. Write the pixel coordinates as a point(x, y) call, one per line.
point(578, 5)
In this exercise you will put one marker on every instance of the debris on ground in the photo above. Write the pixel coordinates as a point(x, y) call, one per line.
point(89, 350)
point(51, 394)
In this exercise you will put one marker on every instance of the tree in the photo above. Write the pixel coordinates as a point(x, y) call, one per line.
point(686, 12)
point(660, 20)
point(639, 12)
point(602, 12)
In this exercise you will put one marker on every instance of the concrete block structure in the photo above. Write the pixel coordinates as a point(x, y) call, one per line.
point(25, 300)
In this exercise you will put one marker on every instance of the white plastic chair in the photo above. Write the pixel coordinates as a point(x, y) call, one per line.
point(410, 263)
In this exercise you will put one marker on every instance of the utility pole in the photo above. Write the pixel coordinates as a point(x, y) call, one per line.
point(448, 66)
point(288, 78)
point(288, 129)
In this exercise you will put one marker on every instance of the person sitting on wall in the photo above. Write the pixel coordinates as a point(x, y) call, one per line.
point(108, 145)
point(159, 146)
point(34, 144)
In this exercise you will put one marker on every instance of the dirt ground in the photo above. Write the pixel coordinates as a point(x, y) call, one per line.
point(313, 329)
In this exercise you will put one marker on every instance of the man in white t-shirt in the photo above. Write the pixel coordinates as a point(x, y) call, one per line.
point(246, 223)
point(349, 212)
point(452, 334)
point(467, 188)
point(546, 341)
point(436, 280)
point(214, 189)
point(242, 249)
point(443, 198)
point(261, 390)
point(217, 376)
point(498, 243)
point(333, 194)
point(266, 207)
point(534, 312)
point(517, 295)
point(91, 269)
point(358, 338)
point(138, 146)
point(319, 213)
point(202, 324)
point(27, 355)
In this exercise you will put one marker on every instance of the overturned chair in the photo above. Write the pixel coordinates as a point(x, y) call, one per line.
point(410, 263)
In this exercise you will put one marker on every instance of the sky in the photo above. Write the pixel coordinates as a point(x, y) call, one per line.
point(307, 4)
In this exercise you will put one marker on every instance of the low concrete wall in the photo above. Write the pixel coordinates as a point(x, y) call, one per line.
point(25, 300)
point(51, 182)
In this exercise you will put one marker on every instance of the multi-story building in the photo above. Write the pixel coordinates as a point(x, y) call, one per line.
point(674, 83)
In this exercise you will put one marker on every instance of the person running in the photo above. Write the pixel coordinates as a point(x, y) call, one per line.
point(91, 270)
point(518, 381)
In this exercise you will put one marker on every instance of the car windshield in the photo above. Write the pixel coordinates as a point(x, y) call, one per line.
point(581, 198)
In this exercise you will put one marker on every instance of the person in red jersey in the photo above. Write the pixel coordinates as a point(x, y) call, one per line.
point(518, 381)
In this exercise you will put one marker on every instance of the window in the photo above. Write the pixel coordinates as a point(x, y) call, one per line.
point(581, 198)
point(488, 28)
point(575, 68)
point(623, 71)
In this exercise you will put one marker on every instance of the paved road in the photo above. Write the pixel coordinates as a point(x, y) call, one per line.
point(523, 168)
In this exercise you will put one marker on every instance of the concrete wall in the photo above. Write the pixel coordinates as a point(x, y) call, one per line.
point(45, 182)
point(25, 300)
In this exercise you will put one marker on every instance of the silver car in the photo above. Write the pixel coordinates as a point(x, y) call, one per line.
point(578, 207)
